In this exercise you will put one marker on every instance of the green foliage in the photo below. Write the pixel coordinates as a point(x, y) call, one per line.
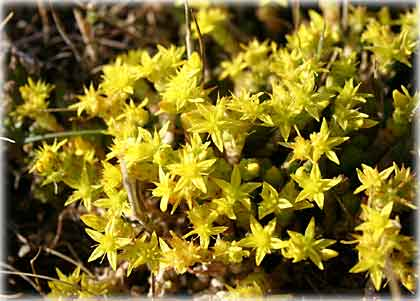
point(69, 286)
point(90, 102)
point(247, 289)
point(78, 285)
point(183, 88)
point(322, 144)
point(346, 111)
point(48, 162)
point(165, 189)
point(262, 239)
point(192, 169)
point(202, 218)
point(210, 119)
point(163, 65)
point(179, 254)
point(229, 252)
point(383, 189)
point(238, 168)
point(405, 107)
point(118, 80)
point(35, 105)
point(380, 244)
point(108, 245)
point(278, 202)
point(234, 192)
point(371, 178)
point(248, 68)
point(85, 191)
point(313, 186)
point(309, 36)
point(304, 246)
point(143, 252)
point(214, 21)
point(388, 47)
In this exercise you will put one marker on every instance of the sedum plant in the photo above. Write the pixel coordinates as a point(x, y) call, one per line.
point(301, 247)
point(194, 177)
point(381, 247)
point(34, 106)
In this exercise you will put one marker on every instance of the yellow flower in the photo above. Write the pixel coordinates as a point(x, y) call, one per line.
point(261, 239)
point(108, 246)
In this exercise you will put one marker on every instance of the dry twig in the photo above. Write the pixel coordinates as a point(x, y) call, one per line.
point(24, 277)
point(65, 257)
point(296, 13)
point(63, 34)
point(87, 34)
point(7, 19)
point(130, 186)
point(393, 283)
point(32, 262)
point(44, 19)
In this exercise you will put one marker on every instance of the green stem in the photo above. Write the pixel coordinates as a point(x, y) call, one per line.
point(188, 29)
point(201, 45)
point(64, 134)
point(58, 110)
point(321, 42)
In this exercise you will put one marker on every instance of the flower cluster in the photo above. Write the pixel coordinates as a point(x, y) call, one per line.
point(243, 171)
